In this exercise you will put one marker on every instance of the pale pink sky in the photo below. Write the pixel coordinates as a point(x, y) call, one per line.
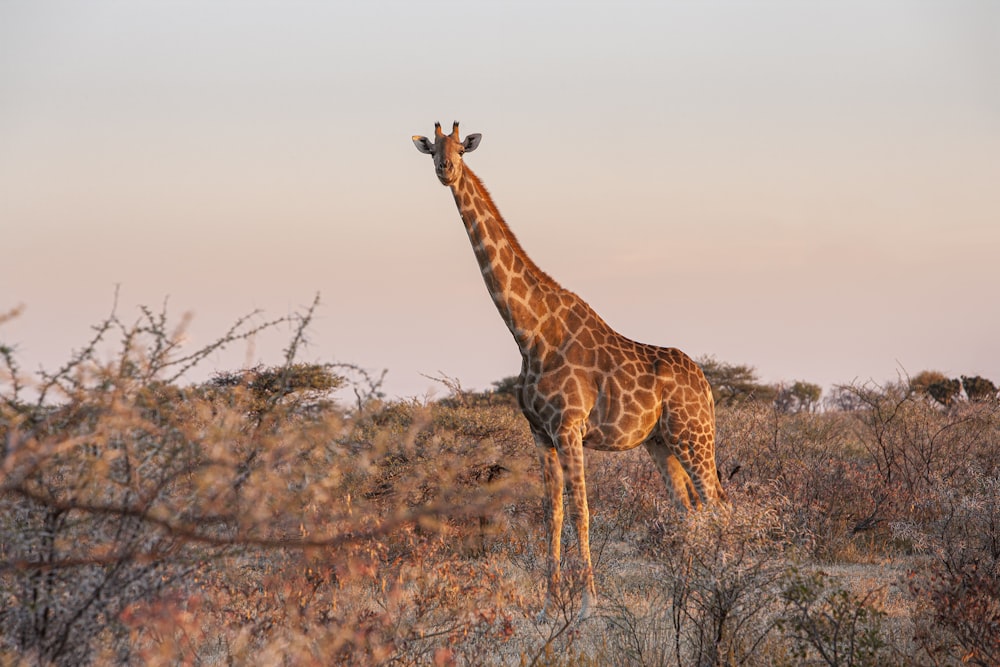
point(809, 188)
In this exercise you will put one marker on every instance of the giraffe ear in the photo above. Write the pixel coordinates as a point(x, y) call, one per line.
point(472, 142)
point(423, 144)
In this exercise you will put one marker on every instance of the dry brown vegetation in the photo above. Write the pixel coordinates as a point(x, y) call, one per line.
point(251, 519)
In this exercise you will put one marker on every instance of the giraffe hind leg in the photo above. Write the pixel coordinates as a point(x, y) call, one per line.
point(693, 444)
point(677, 480)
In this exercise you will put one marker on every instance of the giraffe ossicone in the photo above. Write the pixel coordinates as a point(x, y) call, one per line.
point(582, 384)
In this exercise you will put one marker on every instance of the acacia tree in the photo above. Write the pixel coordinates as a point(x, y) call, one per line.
point(945, 392)
point(922, 381)
point(799, 397)
point(979, 389)
point(733, 384)
point(844, 398)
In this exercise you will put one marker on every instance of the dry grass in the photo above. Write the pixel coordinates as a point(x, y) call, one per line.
point(252, 520)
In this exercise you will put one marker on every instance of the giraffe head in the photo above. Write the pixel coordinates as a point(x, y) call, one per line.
point(447, 151)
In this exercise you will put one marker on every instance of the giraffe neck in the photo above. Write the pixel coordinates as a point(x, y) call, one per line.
point(520, 290)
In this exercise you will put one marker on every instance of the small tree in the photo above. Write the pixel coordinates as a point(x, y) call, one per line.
point(505, 389)
point(734, 384)
point(945, 391)
point(921, 382)
point(307, 385)
point(799, 397)
point(844, 398)
point(830, 625)
point(979, 389)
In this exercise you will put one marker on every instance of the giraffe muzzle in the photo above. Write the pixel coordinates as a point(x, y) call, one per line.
point(445, 171)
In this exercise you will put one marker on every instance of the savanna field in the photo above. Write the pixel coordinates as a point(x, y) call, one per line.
point(290, 515)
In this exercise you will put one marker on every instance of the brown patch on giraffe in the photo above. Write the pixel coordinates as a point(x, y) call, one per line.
point(573, 321)
point(581, 374)
point(518, 285)
point(506, 256)
point(500, 276)
point(578, 356)
point(551, 301)
point(571, 386)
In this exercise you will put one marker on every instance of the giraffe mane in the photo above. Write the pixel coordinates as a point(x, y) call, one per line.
point(511, 238)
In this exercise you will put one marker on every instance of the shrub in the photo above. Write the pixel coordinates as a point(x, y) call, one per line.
point(912, 446)
point(251, 518)
point(830, 625)
point(958, 591)
point(246, 516)
point(712, 595)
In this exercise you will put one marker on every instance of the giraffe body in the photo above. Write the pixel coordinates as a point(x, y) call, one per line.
point(582, 384)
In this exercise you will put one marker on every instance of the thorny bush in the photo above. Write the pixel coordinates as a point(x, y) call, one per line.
point(146, 519)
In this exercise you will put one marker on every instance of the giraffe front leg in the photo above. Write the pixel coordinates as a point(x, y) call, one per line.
point(571, 445)
point(552, 477)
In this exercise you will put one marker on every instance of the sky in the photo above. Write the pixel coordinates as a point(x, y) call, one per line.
point(810, 188)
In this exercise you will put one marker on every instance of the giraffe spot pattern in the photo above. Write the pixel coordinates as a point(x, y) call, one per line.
point(582, 383)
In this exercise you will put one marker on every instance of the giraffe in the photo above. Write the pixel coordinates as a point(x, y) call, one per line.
point(582, 384)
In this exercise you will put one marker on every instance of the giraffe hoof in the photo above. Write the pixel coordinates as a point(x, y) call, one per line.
point(545, 615)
